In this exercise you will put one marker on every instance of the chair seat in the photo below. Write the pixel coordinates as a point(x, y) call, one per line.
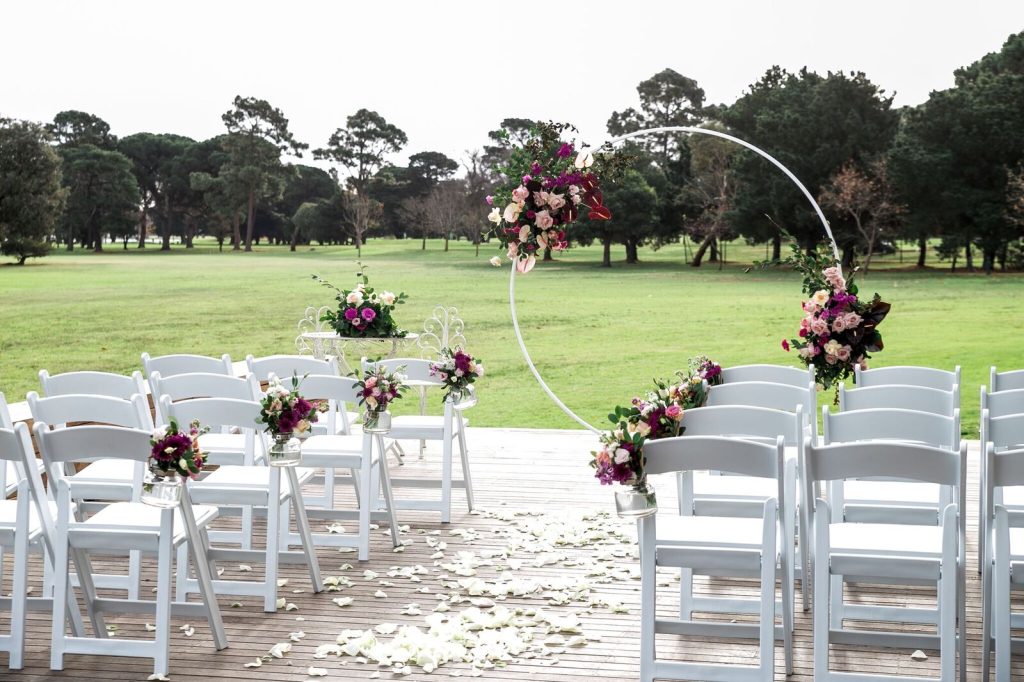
point(893, 492)
point(414, 427)
point(112, 470)
point(219, 445)
point(9, 518)
point(242, 483)
point(886, 539)
point(749, 488)
point(718, 531)
point(128, 516)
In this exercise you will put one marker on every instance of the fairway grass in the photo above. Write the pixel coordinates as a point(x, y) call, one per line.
point(597, 335)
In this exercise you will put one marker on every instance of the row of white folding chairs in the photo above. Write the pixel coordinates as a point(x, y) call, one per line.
point(754, 548)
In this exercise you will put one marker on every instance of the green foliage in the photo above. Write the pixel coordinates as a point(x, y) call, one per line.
point(102, 194)
point(362, 145)
point(72, 128)
point(31, 195)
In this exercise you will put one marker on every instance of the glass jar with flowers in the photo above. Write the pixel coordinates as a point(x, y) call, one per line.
point(377, 390)
point(458, 370)
point(287, 417)
point(174, 457)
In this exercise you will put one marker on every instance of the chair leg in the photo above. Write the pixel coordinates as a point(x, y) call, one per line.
point(836, 605)
point(986, 618)
point(767, 624)
point(19, 597)
point(822, 600)
point(246, 540)
point(464, 454)
point(199, 549)
point(61, 587)
point(389, 498)
point(446, 480)
point(1001, 598)
point(648, 599)
point(302, 525)
point(273, 538)
point(685, 594)
point(948, 608)
point(83, 567)
point(367, 505)
point(134, 573)
point(165, 559)
point(356, 487)
point(181, 573)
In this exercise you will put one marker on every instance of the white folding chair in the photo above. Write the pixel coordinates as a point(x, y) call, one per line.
point(222, 447)
point(887, 553)
point(247, 485)
point(899, 396)
point(1002, 425)
point(715, 546)
point(448, 427)
point(911, 375)
point(183, 363)
point(92, 383)
point(355, 453)
point(122, 526)
point(443, 329)
point(768, 394)
point(775, 374)
point(1005, 381)
point(702, 494)
point(284, 367)
point(874, 501)
point(26, 524)
point(1003, 562)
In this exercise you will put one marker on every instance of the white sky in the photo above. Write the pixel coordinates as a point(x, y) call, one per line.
point(447, 72)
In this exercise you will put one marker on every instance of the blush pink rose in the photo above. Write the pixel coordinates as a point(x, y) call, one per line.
point(544, 220)
point(839, 324)
point(852, 320)
point(819, 326)
point(844, 353)
point(556, 201)
point(519, 194)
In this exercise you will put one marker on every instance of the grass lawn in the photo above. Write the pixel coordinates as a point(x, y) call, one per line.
point(597, 335)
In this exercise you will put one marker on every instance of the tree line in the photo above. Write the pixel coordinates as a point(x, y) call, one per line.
point(947, 175)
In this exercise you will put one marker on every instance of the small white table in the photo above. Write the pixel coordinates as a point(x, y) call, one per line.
point(330, 343)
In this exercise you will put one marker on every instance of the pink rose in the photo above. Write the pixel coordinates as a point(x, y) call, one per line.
point(544, 220)
point(556, 201)
point(844, 353)
point(674, 412)
point(519, 194)
point(839, 324)
point(540, 198)
point(834, 277)
point(852, 320)
point(489, 200)
point(513, 249)
point(819, 326)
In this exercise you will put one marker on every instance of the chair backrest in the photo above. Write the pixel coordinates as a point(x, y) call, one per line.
point(59, 410)
point(61, 448)
point(184, 363)
point(941, 379)
point(5, 414)
point(900, 396)
point(443, 329)
point(415, 369)
point(284, 366)
point(1004, 433)
point(743, 421)
point(1002, 403)
point(9, 474)
point(338, 391)
point(764, 394)
point(776, 374)
point(892, 424)
point(218, 413)
point(1005, 381)
point(1001, 469)
point(200, 385)
point(732, 455)
point(884, 459)
point(92, 383)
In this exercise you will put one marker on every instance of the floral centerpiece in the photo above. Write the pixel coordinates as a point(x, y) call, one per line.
point(656, 414)
point(363, 312)
point(458, 370)
point(548, 182)
point(377, 390)
point(174, 456)
point(286, 415)
point(838, 330)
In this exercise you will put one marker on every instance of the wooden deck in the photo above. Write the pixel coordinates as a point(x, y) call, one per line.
point(542, 518)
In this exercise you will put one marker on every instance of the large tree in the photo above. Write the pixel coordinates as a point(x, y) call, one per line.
point(361, 149)
point(955, 153)
point(708, 192)
point(257, 136)
point(153, 157)
point(102, 194)
point(70, 128)
point(814, 125)
point(31, 195)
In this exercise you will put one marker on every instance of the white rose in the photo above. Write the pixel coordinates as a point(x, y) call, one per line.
point(354, 297)
point(387, 298)
point(584, 159)
point(495, 215)
point(621, 456)
point(511, 213)
point(479, 370)
point(495, 261)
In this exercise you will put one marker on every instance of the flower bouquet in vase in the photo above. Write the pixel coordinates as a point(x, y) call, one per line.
point(377, 390)
point(657, 414)
point(458, 370)
point(174, 457)
point(287, 417)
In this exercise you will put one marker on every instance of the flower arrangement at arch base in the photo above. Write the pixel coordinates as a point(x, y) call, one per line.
point(838, 330)
point(174, 457)
point(363, 312)
point(656, 414)
point(549, 181)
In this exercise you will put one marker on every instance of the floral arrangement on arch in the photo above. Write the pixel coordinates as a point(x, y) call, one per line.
point(176, 451)
point(379, 388)
point(656, 414)
point(838, 330)
point(548, 182)
point(285, 411)
point(362, 311)
point(456, 369)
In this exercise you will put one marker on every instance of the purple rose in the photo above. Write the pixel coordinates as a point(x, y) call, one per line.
point(369, 314)
point(351, 314)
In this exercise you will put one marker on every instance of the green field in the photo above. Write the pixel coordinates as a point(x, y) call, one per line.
point(597, 335)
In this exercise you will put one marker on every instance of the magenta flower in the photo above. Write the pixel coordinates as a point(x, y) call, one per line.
point(351, 314)
point(490, 200)
point(536, 168)
point(369, 314)
point(785, 345)
point(565, 150)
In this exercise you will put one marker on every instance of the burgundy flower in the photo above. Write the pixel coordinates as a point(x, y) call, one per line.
point(565, 150)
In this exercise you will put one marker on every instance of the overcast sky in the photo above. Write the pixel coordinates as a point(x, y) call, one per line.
point(447, 72)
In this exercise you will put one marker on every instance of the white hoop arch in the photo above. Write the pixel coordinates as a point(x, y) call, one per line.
point(650, 131)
